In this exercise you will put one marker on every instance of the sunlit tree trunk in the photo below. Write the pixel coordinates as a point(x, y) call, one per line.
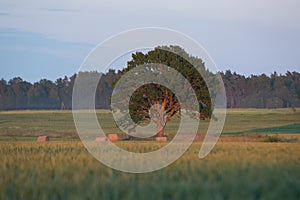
point(160, 129)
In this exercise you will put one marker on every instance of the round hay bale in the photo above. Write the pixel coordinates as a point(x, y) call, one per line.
point(43, 138)
point(112, 137)
point(161, 139)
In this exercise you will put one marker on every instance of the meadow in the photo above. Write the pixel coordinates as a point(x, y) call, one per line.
point(26, 125)
point(63, 168)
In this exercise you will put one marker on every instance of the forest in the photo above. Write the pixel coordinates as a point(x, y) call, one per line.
point(255, 91)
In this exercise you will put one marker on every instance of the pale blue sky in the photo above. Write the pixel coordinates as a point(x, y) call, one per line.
point(50, 39)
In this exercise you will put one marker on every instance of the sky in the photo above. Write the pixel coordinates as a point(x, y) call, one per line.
point(50, 39)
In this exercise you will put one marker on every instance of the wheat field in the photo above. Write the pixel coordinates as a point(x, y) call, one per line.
point(266, 167)
point(65, 170)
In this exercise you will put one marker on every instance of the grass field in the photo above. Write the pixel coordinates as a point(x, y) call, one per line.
point(60, 123)
point(63, 169)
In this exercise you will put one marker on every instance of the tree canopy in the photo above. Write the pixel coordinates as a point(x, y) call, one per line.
point(157, 101)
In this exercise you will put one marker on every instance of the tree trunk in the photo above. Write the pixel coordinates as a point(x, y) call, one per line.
point(160, 129)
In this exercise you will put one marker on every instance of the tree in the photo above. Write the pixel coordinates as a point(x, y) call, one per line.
point(104, 90)
point(43, 95)
point(3, 94)
point(19, 90)
point(64, 91)
point(156, 100)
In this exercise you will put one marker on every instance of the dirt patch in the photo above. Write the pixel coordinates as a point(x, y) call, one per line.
point(14, 127)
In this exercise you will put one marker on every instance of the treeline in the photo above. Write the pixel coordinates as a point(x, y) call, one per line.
point(276, 91)
point(17, 94)
point(256, 91)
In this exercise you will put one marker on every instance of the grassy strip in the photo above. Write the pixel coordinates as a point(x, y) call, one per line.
point(61, 124)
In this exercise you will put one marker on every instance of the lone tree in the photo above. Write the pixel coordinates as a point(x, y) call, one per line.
point(158, 101)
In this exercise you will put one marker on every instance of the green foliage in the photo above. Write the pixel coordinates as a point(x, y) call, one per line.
point(278, 138)
point(256, 91)
point(272, 138)
point(261, 91)
point(18, 94)
point(151, 94)
point(139, 106)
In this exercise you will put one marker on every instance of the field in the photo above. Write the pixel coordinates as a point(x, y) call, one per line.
point(26, 125)
point(257, 157)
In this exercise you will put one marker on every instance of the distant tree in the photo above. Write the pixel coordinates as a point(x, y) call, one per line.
point(43, 95)
point(3, 94)
point(105, 89)
point(64, 91)
point(19, 90)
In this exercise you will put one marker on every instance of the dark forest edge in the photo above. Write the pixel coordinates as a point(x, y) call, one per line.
point(256, 91)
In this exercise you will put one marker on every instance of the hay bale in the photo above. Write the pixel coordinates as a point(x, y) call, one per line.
point(112, 137)
point(161, 139)
point(43, 138)
point(101, 139)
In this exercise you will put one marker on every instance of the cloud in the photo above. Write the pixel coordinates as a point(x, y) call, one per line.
point(250, 35)
point(59, 10)
point(3, 14)
point(92, 21)
point(33, 56)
